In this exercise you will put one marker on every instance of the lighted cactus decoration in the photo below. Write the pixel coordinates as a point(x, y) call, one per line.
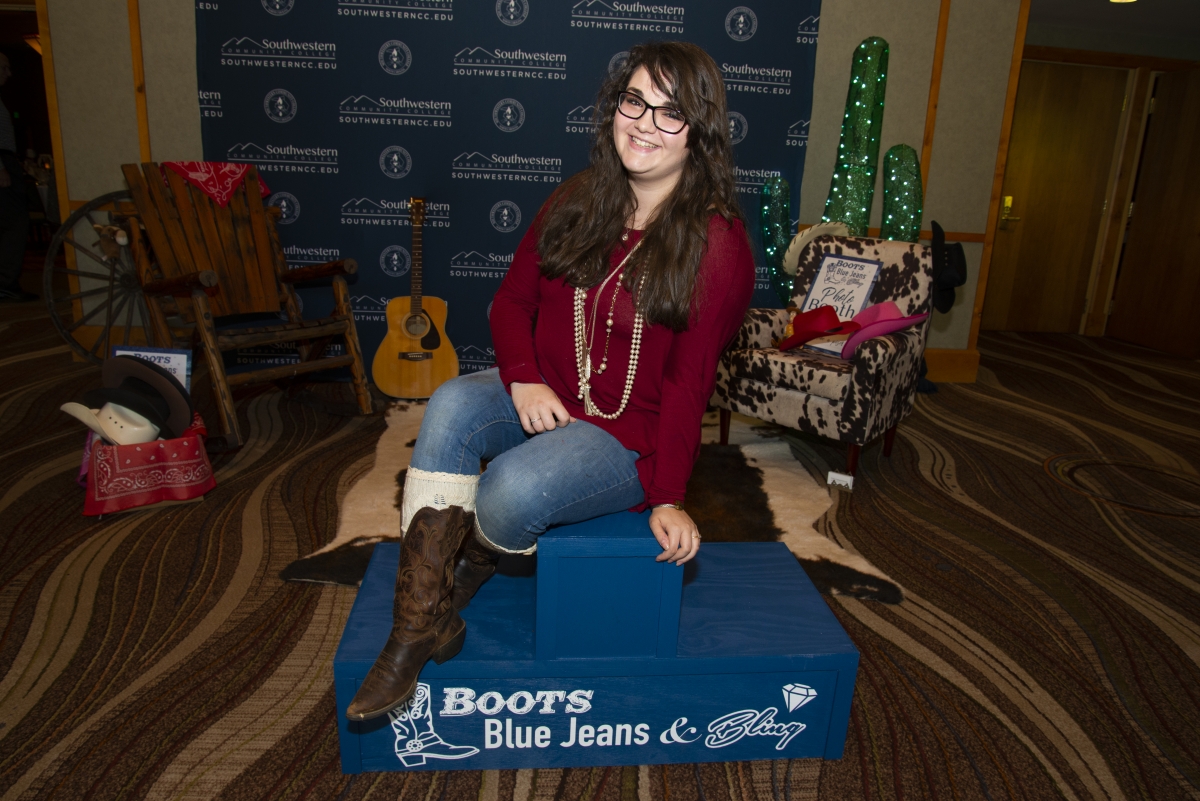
point(777, 232)
point(902, 194)
point(853, 185)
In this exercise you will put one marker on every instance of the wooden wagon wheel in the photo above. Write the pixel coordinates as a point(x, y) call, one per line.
point(90, 280)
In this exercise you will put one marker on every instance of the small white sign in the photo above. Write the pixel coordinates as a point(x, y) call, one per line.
point(841, 480)
point(845, 283)
point(176, 362)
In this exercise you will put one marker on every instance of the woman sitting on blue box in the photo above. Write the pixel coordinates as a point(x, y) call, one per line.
point(630, 282)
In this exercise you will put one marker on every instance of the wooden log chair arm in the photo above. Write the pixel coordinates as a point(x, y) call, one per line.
point(182, 286)
point(316, 271)
point(290, 332)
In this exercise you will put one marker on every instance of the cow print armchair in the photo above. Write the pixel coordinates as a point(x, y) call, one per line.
point(851, 401)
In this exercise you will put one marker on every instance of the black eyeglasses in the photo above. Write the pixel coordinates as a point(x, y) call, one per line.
point(665, 119)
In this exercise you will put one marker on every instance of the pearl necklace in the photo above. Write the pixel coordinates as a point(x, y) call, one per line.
point(584, 337)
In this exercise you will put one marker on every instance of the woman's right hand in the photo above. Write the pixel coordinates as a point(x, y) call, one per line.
point(538, 407)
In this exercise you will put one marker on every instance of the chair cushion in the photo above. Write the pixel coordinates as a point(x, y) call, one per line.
point(798, 370)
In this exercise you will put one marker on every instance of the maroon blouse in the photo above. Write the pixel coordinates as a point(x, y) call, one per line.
point(533, 333)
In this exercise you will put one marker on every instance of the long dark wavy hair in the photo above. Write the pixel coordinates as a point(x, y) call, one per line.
point(587, 214)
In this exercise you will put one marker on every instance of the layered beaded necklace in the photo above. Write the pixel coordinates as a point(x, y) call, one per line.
point(585, 334)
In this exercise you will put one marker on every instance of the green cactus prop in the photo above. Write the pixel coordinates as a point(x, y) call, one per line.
point(777, 232)
point(853, 185)
point(902, 194)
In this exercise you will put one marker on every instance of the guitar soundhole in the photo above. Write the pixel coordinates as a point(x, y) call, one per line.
point(416, 325)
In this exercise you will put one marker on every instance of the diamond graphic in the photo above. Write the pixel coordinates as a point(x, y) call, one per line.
point(797, 695)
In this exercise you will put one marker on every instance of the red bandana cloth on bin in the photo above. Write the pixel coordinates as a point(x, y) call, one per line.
point(217, 179)
point(130, 476)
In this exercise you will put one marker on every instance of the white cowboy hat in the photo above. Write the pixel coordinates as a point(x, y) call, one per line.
point(116, 424)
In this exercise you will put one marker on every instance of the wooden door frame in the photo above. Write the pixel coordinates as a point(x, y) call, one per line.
point(993, 218)
point(67, 204)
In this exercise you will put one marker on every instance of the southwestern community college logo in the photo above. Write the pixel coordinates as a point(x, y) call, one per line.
point(617, 62)
point(512, 12)
point(741, 23)
point(808, 30)
point(614, 15)
point(395, 162)
point(505, 216)
point(738, 127)
point(509, 115)
point(797, 134)
point(395, 261)
point(280, 105)
point(581, 119)
point(289, 207)
point(395, 57)
point(278, 8)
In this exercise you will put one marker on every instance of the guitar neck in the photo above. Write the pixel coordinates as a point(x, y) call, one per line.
point(417, 248)
point(416, 215)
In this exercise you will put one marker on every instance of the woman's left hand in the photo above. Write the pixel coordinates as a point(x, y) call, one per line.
point(676, 533)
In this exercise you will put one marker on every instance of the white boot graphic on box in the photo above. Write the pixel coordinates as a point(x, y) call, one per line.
point(416, 740)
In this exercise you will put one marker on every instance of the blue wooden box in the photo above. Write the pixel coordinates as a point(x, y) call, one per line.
point(574, 665)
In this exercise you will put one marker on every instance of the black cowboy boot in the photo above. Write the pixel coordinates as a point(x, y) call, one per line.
point(476, 564)
point(425, 623)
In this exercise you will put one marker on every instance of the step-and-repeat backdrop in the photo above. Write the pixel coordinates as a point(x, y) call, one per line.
point(350, 107)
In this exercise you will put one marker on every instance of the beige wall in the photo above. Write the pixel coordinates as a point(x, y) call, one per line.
point(94, 79)
point(99, 116)
point(169, 48)
point(978, 57)
point(910, 36)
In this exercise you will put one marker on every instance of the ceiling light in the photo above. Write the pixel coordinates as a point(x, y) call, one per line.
point(1122, 1)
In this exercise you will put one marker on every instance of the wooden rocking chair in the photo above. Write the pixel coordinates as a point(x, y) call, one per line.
point(211, 261)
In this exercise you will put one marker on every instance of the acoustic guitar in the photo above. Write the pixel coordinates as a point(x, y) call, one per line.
point(415, 357)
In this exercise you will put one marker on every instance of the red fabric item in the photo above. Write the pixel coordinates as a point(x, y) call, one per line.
point(819, 322)
point(130, 476)
point(533, 334)
point(217, 179)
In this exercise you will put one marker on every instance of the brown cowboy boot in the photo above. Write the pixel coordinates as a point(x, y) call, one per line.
point(476, 564)
point(425, 623)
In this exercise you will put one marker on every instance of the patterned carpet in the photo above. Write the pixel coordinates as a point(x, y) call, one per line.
point(1043, 524)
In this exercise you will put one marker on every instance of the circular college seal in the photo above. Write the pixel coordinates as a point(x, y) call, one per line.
point(395, 261)
point(395, 162)
point(512, 12)
point(509, 115)
point(617, 62)
point(277, 8)
point(289, 207)
point(740, 24)
point(280, 105)
point(738, 128)
point(505, 216)
point(395, 57)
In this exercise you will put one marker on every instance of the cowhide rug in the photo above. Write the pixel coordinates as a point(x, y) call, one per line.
point(752, 490)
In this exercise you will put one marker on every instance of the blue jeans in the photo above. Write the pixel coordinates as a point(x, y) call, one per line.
point(567, 475)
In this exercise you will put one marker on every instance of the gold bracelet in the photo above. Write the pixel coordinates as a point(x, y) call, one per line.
point(676, 505)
